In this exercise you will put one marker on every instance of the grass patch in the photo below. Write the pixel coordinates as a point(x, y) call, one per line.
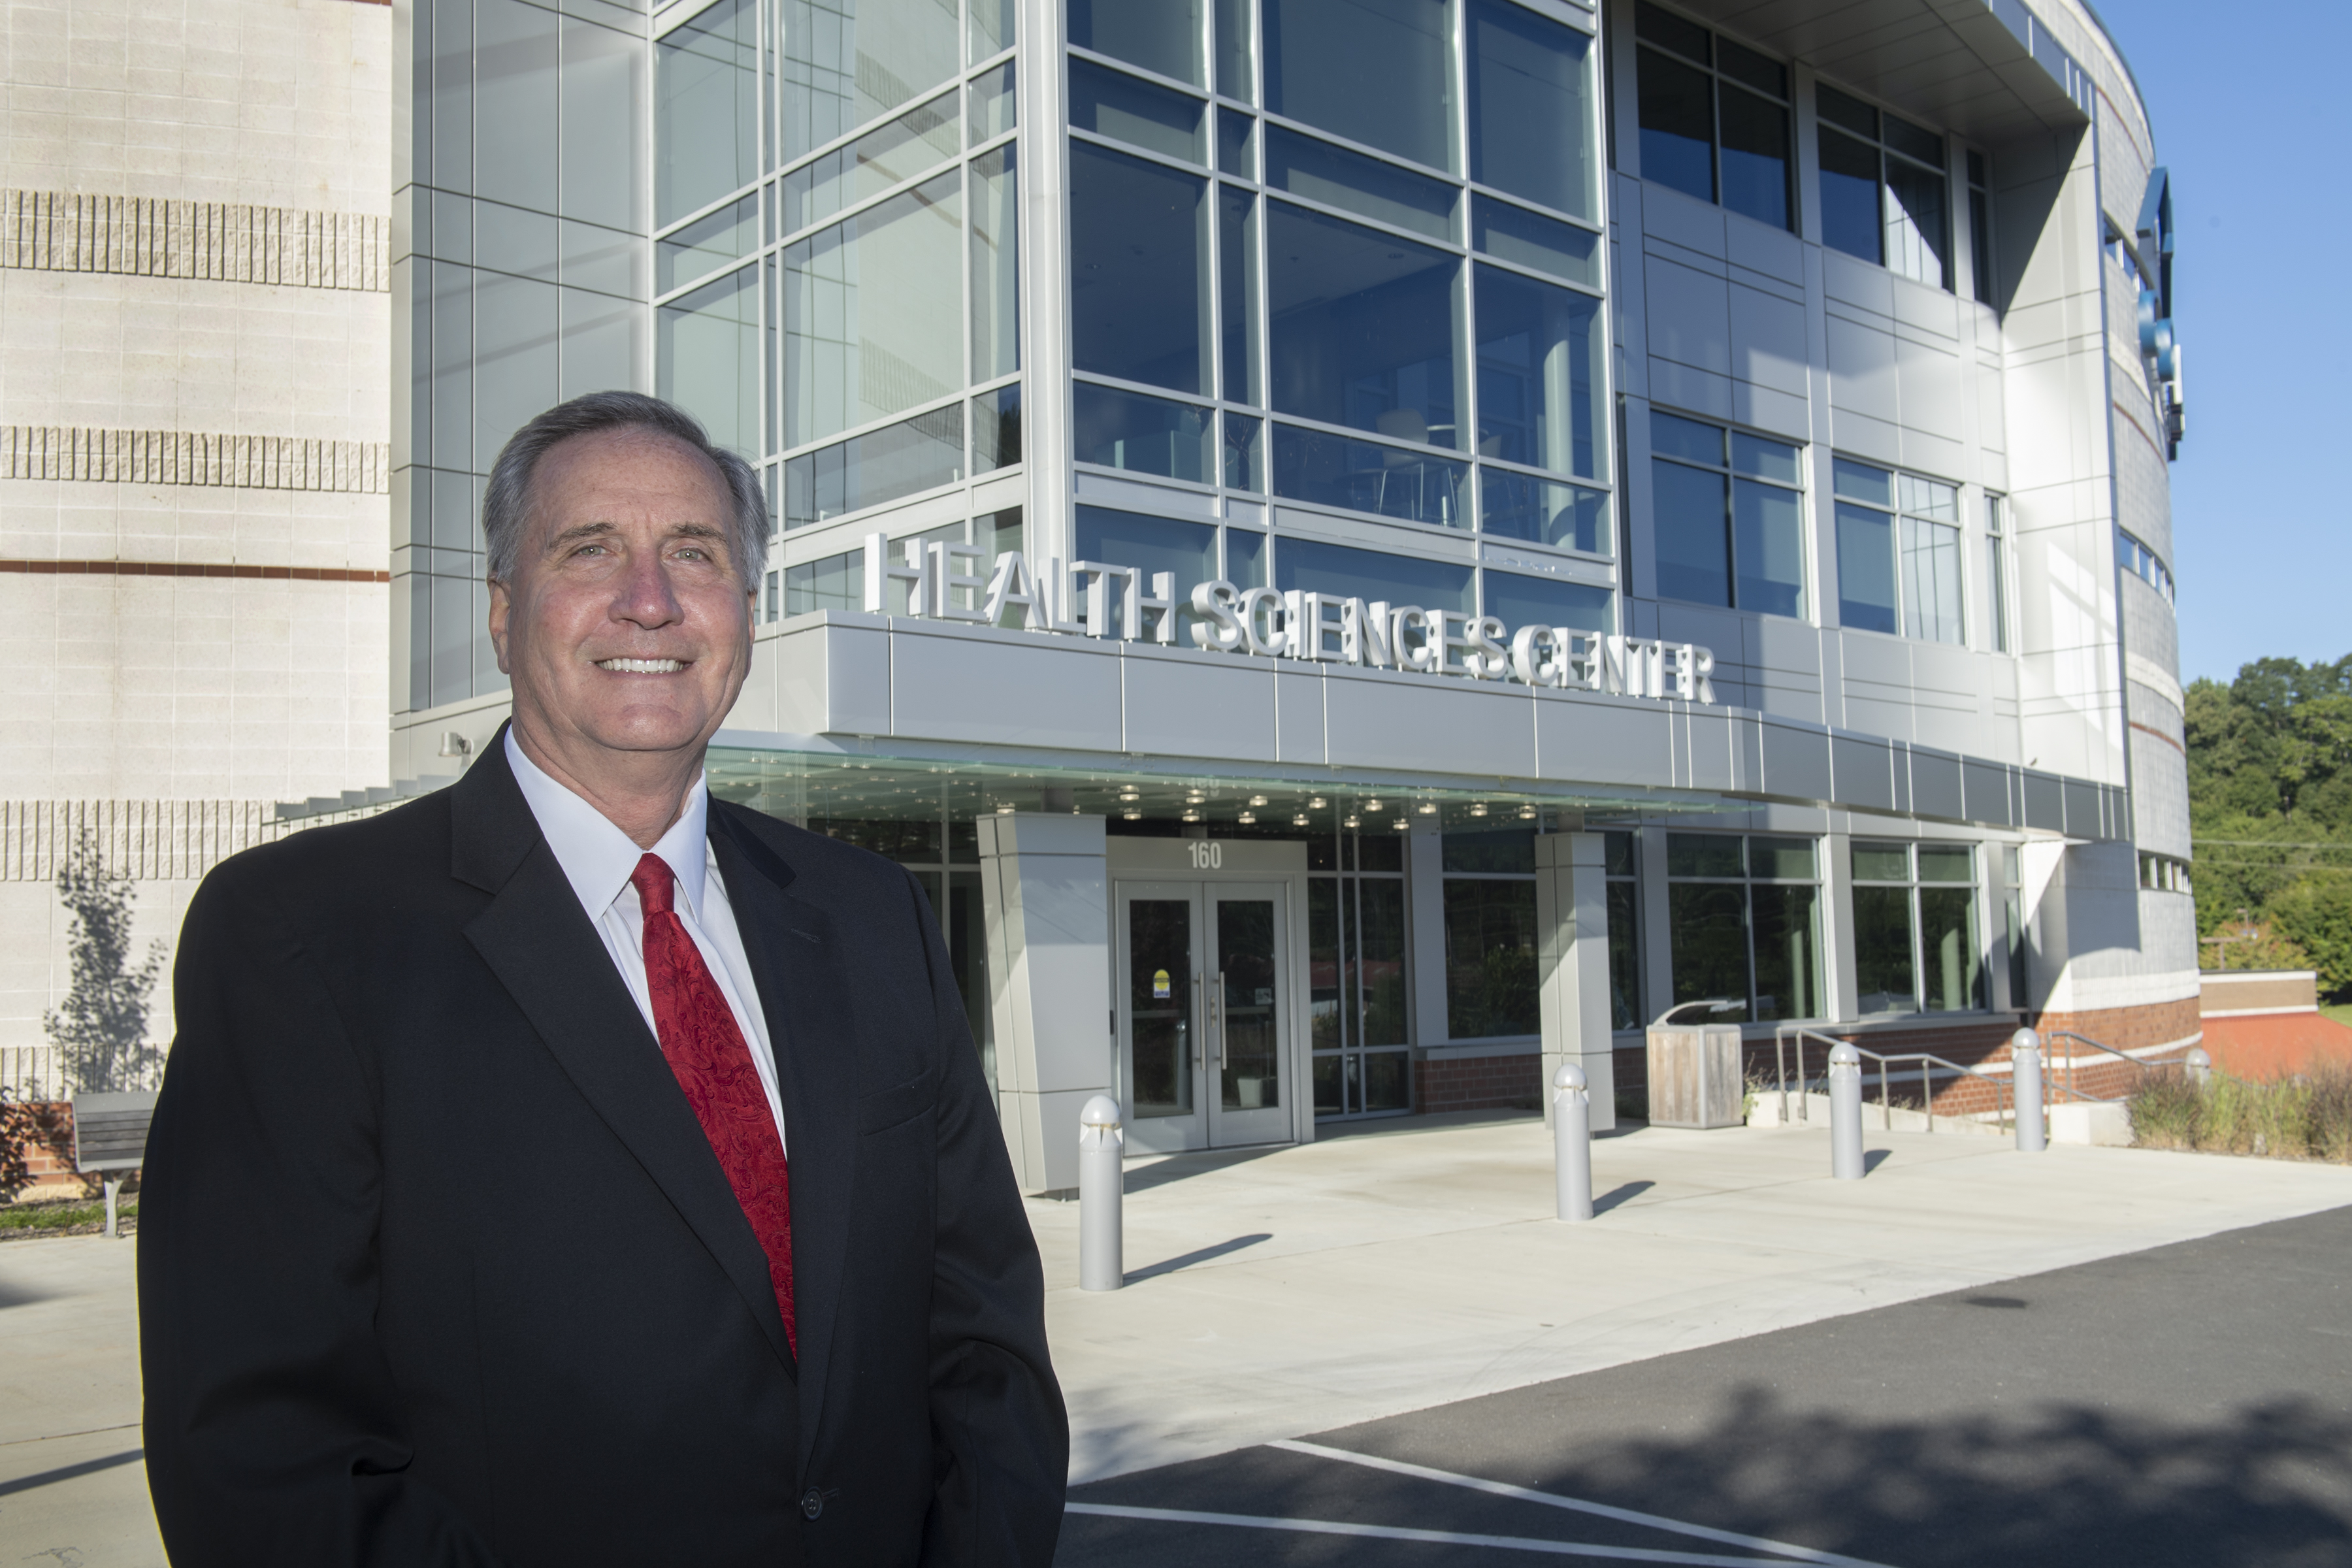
point(2341, 1012)
point(2303, 1118)
point(65, 1216)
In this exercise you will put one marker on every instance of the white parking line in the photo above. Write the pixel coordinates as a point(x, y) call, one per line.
point(1436, 1537)
point(1577, 1505)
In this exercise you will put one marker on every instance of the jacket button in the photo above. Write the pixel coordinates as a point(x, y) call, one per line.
point(812, 1503)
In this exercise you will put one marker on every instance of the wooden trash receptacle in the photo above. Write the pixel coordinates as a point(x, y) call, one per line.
point(1695, 1076)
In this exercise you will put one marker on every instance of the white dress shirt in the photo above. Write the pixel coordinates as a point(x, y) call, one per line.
point(598, 859)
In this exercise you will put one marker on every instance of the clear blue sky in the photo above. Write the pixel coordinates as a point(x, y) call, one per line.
point(2249, 117)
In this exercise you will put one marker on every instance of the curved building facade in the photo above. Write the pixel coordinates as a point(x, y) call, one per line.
point(1361, 548)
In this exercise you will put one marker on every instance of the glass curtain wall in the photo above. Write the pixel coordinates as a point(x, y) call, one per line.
point(836, 266)
point(1621, 869)
point(1745, 913)
point(1346, 254)
point(1915, 942)
point(1898, 548)
point(1356, 975)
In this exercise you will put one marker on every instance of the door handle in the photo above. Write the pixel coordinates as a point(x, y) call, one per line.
point(1196, 1044)
point(1217, 1011)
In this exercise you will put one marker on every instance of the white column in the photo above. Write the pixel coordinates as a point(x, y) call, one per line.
point(1572, 965)
point(1046, 891)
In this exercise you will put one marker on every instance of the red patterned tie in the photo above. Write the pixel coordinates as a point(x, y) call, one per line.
point(706, 1050)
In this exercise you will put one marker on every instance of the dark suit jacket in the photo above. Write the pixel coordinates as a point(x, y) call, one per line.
point(437, 1266)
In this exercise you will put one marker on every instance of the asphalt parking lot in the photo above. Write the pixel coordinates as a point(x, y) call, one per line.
point(2187, 1404)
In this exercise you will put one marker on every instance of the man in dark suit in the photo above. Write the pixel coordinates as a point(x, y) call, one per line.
point(569, 1168)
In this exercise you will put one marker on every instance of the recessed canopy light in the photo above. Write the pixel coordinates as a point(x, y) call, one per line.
point(1401, 825)
point(1003, 811)
point(1133, 815)
point(1191, 816)
point(1526, 814)
point(1257, 800)
point(1298, 821)
point(1355, 821)
point(1478, 808)
point(1315, 803)
point(1429, 808)
point(1247, 817)
point(1372, 805)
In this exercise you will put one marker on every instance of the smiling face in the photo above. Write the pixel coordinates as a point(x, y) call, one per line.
point(628, 627)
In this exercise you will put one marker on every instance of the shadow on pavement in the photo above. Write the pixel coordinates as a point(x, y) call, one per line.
point(1177, 1167)
point(1619, 1195)
point(1186, 1260)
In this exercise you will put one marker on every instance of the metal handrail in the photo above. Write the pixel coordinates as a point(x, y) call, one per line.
point(2073, 1093)
point(2002, 1087)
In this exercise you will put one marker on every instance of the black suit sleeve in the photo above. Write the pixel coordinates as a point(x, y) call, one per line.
point(1000, 1437)
point(274, 1433)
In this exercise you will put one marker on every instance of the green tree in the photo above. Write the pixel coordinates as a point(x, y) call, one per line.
point(2316, 915)
point(102, 1031)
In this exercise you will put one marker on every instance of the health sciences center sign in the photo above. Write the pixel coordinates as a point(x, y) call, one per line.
point(942, 580)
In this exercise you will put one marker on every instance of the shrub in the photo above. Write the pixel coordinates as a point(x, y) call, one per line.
point(2305, 1118)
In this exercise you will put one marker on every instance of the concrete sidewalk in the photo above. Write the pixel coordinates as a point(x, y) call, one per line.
point(1282, 1293)
point(1298, 1291)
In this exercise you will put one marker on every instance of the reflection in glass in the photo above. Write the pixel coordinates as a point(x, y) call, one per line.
point(706, 244)
point(1508, 851)
point(1538, 371)
point(1237, 288)
point(1142, 114)
point(1860, 481)
point(967, 938)
point(1337, 471)
point(995, 532)
point(1522, 505)
point(1882, 951)
point(1849, 220)
point(996, 264)
point(996, 429)
point(1709, 927)
point(1144, 434)
point(1379, 962)
point(1236, 145)
point(1520, 599)
point(993, 110)
point(995, 24)
point(1768, 540)
point(1363, 328)
point(1328, 1098)
point(1948, 931)
point(1754, 156)
point(706, 358)
point(1250, 1078)
point(873, 312)
point(1376, 71)
point(1788, 952)
point(1677, 124)
point(1531, 109)
point(1245, 453)
point(1150, 544)
point(1865, 552)
point(1688, 506)
point(1624, 956)
point(705, 109)
point(1916, 242)
point(1530, 239)
point(1245, 558)
point(1780, 859)
point(849, 61)
point(1325, 1015)
point(1931, 581)
point(1947, 863)
point(1372, 574)
point(918, 454)
point(1160, 1005)
point(1704, 855)
point(1875, 861)
point(1388, 1083)
point(836, 582)
point(1490, 959)
point(887, 156)
point(1161, 36)
point(1310, 168)
point(1234, 74)
point(1138, 270)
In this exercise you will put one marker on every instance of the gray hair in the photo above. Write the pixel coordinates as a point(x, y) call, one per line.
point(506, 504)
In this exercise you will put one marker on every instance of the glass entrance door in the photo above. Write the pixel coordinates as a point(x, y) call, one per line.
point(1203, 1028)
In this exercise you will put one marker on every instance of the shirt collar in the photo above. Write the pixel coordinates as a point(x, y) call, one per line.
point(597, 857)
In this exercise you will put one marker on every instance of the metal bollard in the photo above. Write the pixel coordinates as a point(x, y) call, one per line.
point(2200, 1065)
point(1102, 1264)
point(1845, 1112)
point(2025, 1069)
point(1571, 1141)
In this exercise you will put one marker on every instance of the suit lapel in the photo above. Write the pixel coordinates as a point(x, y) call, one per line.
point(539, 942)
point(795, 963)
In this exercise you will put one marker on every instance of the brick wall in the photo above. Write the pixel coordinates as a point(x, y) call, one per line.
point(1478, 1083)
point(49, 1159)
